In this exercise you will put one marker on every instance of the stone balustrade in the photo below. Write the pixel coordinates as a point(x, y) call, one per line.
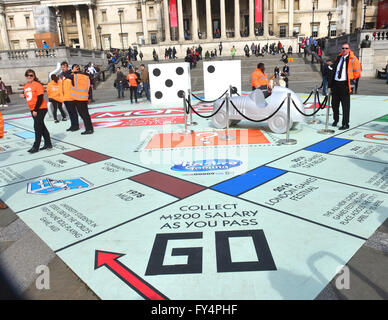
point(14, 63)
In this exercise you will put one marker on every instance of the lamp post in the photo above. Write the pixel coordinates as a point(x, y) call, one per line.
point(120, 11)
point(99, 33)
point(312, 26)
point(59, 19)
point(329, 16)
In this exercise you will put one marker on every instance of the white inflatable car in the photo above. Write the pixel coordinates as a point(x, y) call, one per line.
point(256, 107)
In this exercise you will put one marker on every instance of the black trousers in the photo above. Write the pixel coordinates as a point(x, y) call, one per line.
point(40, 129)
point(340, 93)
point(73, 115)
point(82, 108)
point(133, 91)
point(58, 105)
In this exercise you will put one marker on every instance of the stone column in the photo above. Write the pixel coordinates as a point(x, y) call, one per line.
point(180, 21)
point(144, 21)
point(359, 14)
point(223, 19)
point(79, 28)
point(274, 18)
point(251, 18)
point(166, 21)
point(209, 27)
point(194, 17)
point(348, 10)
point(265, 18)
point(237, 19)
point(92, 27)
point(290, 17)
point(3, 29)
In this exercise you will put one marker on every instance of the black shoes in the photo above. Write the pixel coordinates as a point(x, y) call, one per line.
point(87, 132)
point(33, 150)
point(46, 147)
point(64, 119)
point(72, 129)
point(56, 121)
point(344, 127)
point(334, 124)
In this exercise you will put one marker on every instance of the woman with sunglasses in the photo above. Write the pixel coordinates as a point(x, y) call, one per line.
point(34, 95)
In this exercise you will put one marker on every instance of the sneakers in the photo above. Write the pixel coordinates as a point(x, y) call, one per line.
point(64, 119)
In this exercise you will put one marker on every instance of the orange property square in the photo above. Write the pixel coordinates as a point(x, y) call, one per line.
point(206, 138)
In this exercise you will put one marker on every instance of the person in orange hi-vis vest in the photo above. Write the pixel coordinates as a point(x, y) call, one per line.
point(2, 204)
point(65, 76)
point(346, 69)
point(80, 94)
point(34, 95)
point(260, 80)
point(133, 82)
point(54, 92)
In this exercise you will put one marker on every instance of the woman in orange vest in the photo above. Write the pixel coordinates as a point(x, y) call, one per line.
point(54, 92)
point(133, 82)
point(34, 95)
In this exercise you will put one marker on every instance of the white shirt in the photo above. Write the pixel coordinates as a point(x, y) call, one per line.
point(343, 74)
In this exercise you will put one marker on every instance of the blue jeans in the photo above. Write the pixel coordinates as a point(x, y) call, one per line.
point(387, 75)
point(120, 88)
point(146, 87)
point(324, 85)
point(139, 88)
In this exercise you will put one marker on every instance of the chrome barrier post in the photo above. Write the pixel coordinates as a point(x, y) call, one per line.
point(185, 117)
point(288, 141)
point(315, 121)
point(327, 130)
point(192, 123)
point(227, 137)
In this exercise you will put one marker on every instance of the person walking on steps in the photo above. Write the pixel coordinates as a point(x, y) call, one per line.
point(34, 95)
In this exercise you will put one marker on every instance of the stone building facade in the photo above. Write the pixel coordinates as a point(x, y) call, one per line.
point(96, 24)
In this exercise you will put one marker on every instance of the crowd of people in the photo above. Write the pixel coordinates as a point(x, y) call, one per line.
point(136, 81)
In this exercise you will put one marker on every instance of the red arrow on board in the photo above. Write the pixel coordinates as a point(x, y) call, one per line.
point(109, 259)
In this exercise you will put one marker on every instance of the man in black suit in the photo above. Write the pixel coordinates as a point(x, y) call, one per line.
point(346, 69)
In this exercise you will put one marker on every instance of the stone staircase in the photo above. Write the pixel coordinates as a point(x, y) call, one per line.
point(301, 71)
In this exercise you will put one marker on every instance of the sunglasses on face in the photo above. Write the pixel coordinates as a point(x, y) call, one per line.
point(345, 48)
point(29, 75)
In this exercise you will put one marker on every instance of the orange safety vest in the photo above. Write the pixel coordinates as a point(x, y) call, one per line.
point(80, 90)
point(354, 68)
point(54, 90)
point(1, 126)
point(259, 79)
point(66, 88)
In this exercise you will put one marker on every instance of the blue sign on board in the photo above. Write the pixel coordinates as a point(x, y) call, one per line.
point(206, 165)
point(48, 186)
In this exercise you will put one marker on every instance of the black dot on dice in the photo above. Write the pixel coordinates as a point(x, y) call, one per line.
point(156, 72)
point(181, 93)
point(211, 69)
point(158, 95)
point(179, 71)
point(169, 83)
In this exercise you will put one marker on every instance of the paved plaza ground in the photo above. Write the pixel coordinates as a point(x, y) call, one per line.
point(133, 207)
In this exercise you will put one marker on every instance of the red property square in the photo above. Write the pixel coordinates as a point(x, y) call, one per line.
point(87, 156)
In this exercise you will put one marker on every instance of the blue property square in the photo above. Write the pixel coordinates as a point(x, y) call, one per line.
point(8, 126)
point(26, 135)
point(328, 145)
point(248, 180)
